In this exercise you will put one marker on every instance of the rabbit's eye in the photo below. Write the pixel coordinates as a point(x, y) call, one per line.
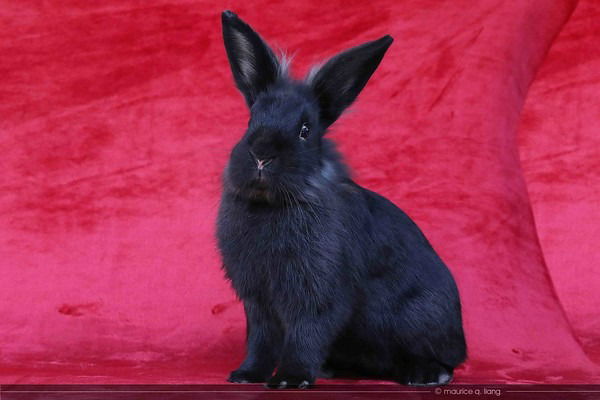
point(304, 131)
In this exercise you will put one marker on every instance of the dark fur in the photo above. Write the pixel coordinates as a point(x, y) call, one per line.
point(332, 275)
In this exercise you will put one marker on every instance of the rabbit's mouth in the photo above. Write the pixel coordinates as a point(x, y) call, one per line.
point(262, 194)
point(258, 188)
point(259, 180)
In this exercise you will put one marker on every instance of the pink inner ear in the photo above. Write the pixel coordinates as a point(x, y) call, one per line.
point(117, 121)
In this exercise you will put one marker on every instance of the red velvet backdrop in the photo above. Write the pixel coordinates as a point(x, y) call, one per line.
point(116, 119)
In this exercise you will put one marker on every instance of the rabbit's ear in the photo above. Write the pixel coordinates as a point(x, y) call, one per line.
point(339, 81)
point(253, 63)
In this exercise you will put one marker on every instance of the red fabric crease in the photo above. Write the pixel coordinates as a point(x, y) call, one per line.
point(117, 117)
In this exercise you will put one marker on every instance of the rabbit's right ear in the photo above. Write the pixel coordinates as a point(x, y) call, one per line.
point(252, 62)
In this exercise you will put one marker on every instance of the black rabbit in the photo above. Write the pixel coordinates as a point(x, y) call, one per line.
point(332, 276)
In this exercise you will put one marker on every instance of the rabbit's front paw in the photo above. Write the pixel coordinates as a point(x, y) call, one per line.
point(431, 374)
point(290, 381)
point(247, 376)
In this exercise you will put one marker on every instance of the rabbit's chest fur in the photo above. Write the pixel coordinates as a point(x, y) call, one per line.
point(282, 253)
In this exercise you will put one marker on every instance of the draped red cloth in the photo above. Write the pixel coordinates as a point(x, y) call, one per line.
point(117, 117)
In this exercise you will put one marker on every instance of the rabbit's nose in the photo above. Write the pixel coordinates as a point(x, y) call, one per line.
point(263, 163)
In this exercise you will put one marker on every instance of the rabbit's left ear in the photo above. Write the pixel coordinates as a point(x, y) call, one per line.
point(337, 83)
point(253, 63)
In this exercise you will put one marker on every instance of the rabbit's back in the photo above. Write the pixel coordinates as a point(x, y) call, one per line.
point(407, 294)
